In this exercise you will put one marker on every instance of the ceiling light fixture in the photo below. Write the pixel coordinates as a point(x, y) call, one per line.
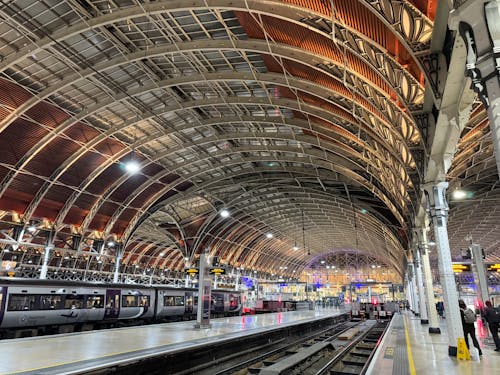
point(132, 167)
point(269, 235)
point(224, 213)
point(459, 194)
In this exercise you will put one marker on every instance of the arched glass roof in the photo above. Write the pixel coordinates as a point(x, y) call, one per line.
point(304, 119)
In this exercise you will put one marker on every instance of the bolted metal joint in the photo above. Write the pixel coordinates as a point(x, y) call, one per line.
point(471, 70)
point(436, 204)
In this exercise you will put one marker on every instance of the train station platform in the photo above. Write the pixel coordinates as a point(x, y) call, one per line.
point(408, 348)
point(84, 352)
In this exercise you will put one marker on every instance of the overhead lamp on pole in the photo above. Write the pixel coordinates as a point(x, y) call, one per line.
point(304, 234)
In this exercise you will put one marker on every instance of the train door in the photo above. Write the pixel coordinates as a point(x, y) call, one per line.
point(112, 304)
point(188, 302)
point(234, 301)
point(3, 299)
point(217, 302)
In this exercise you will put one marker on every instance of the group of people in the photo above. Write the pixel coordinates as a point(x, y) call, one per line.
point(490, 315)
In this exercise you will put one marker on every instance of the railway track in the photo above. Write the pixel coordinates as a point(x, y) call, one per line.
point(341, 350)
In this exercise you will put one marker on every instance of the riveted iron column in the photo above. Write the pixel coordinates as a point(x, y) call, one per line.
point(420, 287)
point(237, 280)
point(409, 293)
point(437, 207)
point(204, 294)
point(118, 262)
point(479, 25)
point(429, 288)
point(482, 281)
point(413, 289)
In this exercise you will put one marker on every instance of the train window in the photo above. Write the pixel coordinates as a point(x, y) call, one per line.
point(129, 301)
point(173, 301)
point(217, 299)
point(233, 301)
point(95, 302)
point(21, 302)
point(143, 300)
point(50, 302)
point(73, 301)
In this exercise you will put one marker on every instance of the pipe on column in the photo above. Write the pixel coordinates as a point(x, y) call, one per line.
point(437, 207)
point(429, 288)
point(420, 287)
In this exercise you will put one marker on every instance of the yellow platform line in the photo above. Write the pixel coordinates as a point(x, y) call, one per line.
point(408, 349)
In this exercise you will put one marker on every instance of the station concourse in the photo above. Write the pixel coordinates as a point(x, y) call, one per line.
point(172, 160)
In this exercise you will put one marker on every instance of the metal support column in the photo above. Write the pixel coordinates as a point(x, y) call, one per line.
point(118, 262)
point(409, 291)
point(237, 281)
point(479, 25)
point(416, 302)
point(413, 289)
point(482, 287)
point(204, 294)
point(420, 288)
point(49, 245)
point(45, 265)
point(437, 207)
point(429, 288)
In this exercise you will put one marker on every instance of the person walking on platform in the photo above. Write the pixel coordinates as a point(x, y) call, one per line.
point(468, 325)
point(440, 309)
point(492, 316)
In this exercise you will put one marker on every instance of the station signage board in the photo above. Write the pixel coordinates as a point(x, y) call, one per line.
point(192, 271)
point(217, 271)
point(461, 267)
point(493, 267)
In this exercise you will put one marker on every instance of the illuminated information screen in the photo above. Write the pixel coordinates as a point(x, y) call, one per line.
point(460, 267)
point(217, 271)
point(493, 267)
point(192, 271)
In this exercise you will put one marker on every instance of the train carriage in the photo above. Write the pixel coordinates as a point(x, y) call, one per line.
point(43, 306)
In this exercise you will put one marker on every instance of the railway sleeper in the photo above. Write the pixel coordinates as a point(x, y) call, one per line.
point(366, 345)
point(268, 362)
point(361, 353)
point(285, 365)
point(347, 370)
point(354, 361)
point(321, 338)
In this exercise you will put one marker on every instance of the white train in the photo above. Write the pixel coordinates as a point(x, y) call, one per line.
point(33, 307)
